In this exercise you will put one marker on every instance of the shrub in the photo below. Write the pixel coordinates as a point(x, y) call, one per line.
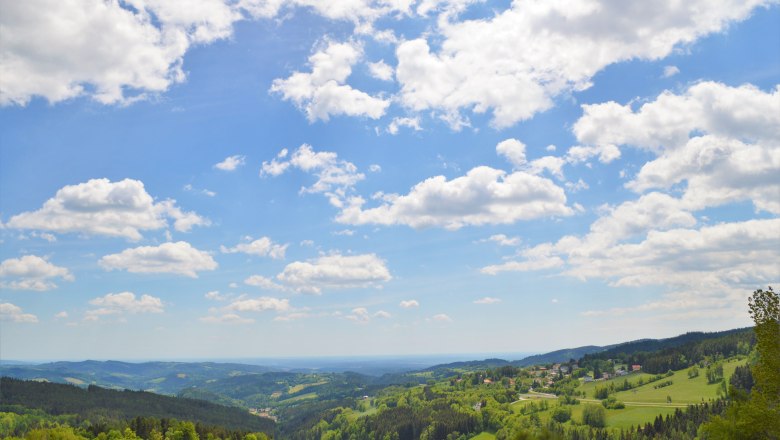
point(594, 415)
point(561, 414)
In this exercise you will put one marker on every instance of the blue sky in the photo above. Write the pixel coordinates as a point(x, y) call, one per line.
point(294, 178)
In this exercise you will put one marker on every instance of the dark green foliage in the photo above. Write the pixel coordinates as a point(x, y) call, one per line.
point(660, 356)
point(96, 404)
point(715, 373)
point(612, 403)
point(756, 416)
point(561, 414)
point(666, 383)
point(601, 392)
point(742, 379)
point(594, 415)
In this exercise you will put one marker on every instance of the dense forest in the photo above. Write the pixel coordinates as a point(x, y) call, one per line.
point(100, 404)
point(660, 356)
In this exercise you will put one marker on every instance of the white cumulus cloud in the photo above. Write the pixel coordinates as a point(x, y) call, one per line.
point(323, 93)
point(517, 62)
point(335, 272)
point(48, 49)
point(262, 247)
point(262, 282)
point(177, 258)
point(335, 177)
point(123, 303)
point(102, 207)
point(13, 313)
point(231, 163)
point(31, 272)
point(483, 196)
point(409, 303)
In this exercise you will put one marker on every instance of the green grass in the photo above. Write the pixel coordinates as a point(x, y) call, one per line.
point(634, 415)
point(301, 397)
point(484, 436)
point(302, 386)
point(682, 391)
point(644, 403)
point(590, 387)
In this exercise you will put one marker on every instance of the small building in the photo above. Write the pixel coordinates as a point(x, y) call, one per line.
point(487, 381)
point(636, 367)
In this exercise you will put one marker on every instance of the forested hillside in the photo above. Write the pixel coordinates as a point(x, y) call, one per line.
point(95, 403)
point(662, 355)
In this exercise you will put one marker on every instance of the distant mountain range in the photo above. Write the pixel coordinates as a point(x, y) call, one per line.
point(173, 377)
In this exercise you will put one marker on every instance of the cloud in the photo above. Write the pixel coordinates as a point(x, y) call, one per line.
point(226, 318)
point(744, 113)
point(360, 12)
point(47, 49)
point(261, 304)
point(262, 247)
point(714, 146)
point(513, 150)
point(335, 177)
point(229, 313)
point(177, 258)
point(214, 295)
point(408, 304)
point(323, 93)
point(363, 316)
point(10, 312)
point(487, 300)
point(208, 193)
point(523, 266)
point(396, 124)
point(121, 304)
point(483, 196)
point(502, 240)
point(441, 317)
point(231, 163)
point(61, 315)
point(381, 70)
point(720, 141)
point(31, 272)
point(335, 272)
point(517, 62)
point(102, 207)
point(262, 282)
point(670, 71)
point(359, 314)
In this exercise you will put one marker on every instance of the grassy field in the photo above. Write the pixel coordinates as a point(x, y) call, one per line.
point(634, 415)
point(682, 391)
point(302, 386)
point(644, 403)
point(300, 397)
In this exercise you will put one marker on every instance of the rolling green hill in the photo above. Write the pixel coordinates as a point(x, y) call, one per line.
point(95, 403)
